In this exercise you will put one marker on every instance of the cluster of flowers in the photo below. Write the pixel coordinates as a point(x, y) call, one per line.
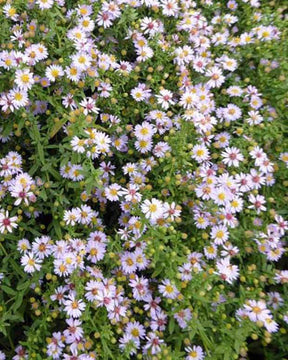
point(257, 311)
point(19, 186)
point(121, 100)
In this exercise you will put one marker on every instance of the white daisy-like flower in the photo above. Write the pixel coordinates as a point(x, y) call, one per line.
point(74, 307)
point(140, 93)
point(227, 271)
point(54, 72)
point(216, 77)
point(24, 79)
point(81, 61)
point(144, 53)
point(89, 106)
point(152, 209)
point(194, 353)
point(18, 97)
point(112, 192)
point(7, 223)
point(168, 290)
point(143, 145)
point(219, 234)
point(165, 98)
point(258, 202)
point(73, 73)
point(78, 145)
point(200, 153)
point(188, 100)
point(30, 262)
point(45, 4)
point(145, 131)
point(232, 156)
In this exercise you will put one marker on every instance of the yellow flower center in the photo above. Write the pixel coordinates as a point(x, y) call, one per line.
point(169, 289)
point(153, 208)
point(135, 332)
point(55, 73)
point(193, 354)
point(18, 96)
point(25, 78)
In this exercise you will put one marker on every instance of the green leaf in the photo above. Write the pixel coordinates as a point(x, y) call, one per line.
point(57, 127)
point(33, 169)
point(37, 138)
point(158, 271)
point(23, 286)
point(18, 302)
point(171, 326)
point(3, 328)
point(7, 129)
point(54, 173)
point(43, 195)
point(8, 290)
point(227, 355)
point(16, 267)
point(57, 228)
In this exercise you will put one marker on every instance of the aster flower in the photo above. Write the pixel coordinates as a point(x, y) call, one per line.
point(140, 93)
point(153, 343)
point(275, 299)
point(219, 234)
point(112, 192)
point(194, 353)
point(257, 310)
point(232, 156)
point(183, 317)
point(54, 72)
point(258, 202)
point(74, 330)
point(227, 271)
point(168, 290)
point(200, 153)
point(19, 98)
point(30, 262)
point(216, 77)
point(128, 342)
point(93, 287)
point(128, 262)
point(42, 247)
point(74, 307)
point(55, 346)
point(159, 321)
point(10, 12)
point(70, 216)
point(59, 294)
point(165, 99)
point(7, 223)
point(95, 251)
point(169, 7)
point(270, 325)
point(152, 209)
point(45, 4)
point(188, 100)
point(89, 105)
point(144, 131)
point(140, 287)
point(23, 245)
point(24, 79)
point(21, 353)
point(135, 330)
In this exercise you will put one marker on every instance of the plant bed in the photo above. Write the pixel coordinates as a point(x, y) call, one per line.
point(143, 179)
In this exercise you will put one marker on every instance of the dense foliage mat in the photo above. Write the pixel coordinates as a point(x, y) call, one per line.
point(143, 179)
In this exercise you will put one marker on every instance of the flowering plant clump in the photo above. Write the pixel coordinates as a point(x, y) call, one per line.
point(143, 179)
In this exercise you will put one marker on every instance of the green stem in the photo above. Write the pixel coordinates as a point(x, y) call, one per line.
point(3, 249)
